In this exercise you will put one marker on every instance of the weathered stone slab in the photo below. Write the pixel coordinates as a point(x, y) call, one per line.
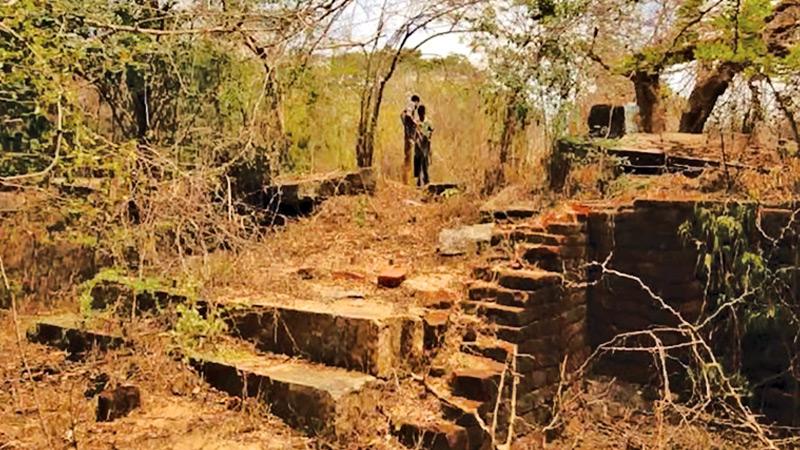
point(363, 335)
point(72, 334)
point(317, 399)
point(526, 280)
point(297, 197)
point(433, 290)
point(465, 240)
point(489, 347)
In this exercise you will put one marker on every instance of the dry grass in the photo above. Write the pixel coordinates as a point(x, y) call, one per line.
point(359, 235)
point(178, 409)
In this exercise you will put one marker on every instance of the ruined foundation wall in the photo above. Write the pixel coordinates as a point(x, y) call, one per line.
point(38, 261)
point(642, 240)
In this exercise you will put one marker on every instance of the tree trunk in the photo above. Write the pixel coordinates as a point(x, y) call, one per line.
point(648, 98)
point(704, 97)
point(755, 111)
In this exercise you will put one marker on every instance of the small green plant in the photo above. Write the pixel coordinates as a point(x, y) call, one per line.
point(135, 285)
point(360, 213)
point(85, 300)
point(452, 192)
point(193, 331)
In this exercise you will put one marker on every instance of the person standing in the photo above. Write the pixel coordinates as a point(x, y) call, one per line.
point(409, 119)
point(422, 148)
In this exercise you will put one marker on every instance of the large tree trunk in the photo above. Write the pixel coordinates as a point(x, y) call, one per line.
point(704, 97)
point(648, 98)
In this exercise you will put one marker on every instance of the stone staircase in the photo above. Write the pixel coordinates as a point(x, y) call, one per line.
point(323, 365)
point(534, 314)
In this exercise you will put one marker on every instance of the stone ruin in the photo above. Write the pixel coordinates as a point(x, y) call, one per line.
point(320, 364)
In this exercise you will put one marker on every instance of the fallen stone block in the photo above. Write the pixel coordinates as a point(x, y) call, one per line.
point(464, 240)
point(116, 403)
point(391, 278)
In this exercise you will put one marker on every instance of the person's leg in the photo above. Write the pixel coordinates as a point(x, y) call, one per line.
point(417, 166)
point(408, 146)
point(425, 162)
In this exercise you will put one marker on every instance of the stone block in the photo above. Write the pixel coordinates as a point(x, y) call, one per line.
point(435, 323)
point(355, 334)
point(116, 403)
point(469, 239)
point(392, 277)
point(527, 280)
point(477, 378)
point(317, 399)
point(437, 435)
point(74, 335)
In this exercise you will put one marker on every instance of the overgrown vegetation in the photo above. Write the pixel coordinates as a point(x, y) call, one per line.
point(146, 133)
point(750, 302)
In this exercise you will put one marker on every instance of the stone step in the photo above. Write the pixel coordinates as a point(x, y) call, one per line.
point(320, 400)
point(433, 434)
point(73, 334)
point(526, 280)
point(357, 334)
point(477, 416)
point(509, 213)
point(492, 292)
point(477, 378)
point(546, 257)
point(500, 314)
point(566, 228)
point(489, 347)
point(517, 235)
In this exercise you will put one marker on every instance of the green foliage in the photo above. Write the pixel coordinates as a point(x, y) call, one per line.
point(193, 331)
point(738, 30)
point(736, 266)
point(85, 300)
